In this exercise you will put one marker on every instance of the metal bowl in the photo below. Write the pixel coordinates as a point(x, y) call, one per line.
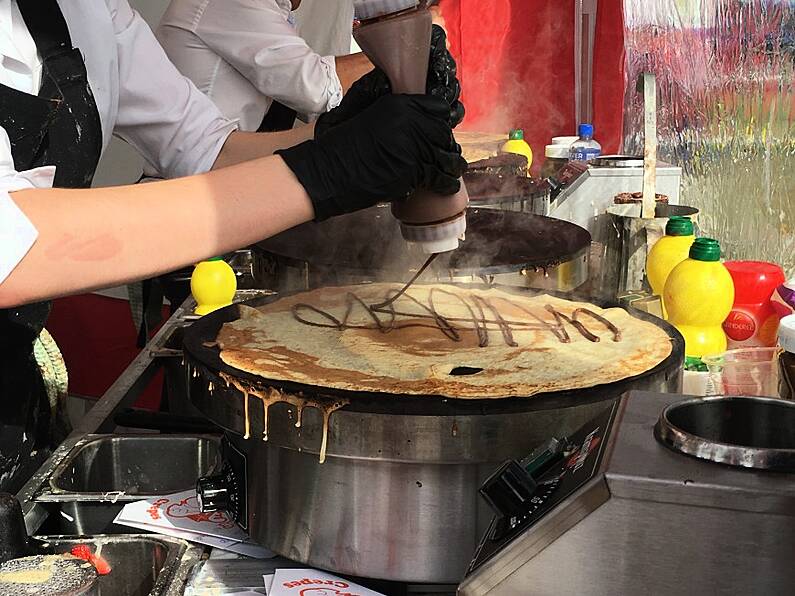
point(748, 432)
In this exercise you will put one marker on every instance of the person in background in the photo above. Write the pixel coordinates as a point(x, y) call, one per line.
point(326, 26)
point(74, 73)
point(247, 57)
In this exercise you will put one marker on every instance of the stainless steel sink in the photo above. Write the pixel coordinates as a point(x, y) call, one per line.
point(103, 472)
point(140, 565)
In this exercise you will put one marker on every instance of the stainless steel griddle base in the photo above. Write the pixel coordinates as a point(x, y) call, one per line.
point(653, 521)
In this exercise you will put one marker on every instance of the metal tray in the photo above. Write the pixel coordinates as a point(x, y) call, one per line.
point(102, 473)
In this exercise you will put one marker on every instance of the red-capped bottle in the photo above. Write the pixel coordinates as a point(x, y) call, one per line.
point(753, 320)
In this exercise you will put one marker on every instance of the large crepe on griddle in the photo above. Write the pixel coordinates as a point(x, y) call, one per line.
point(418, 358)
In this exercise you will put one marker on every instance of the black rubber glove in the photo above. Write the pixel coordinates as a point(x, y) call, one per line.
point(442, 75)
point(441, 82)
point(395, 146)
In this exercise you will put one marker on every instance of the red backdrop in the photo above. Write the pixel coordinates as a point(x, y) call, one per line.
point(516, 65)
point(97, 337)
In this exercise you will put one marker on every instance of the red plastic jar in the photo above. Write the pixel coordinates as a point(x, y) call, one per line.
point(753, 321)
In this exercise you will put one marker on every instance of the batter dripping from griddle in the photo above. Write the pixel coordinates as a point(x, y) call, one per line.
point(480, 321)
point(273, 396)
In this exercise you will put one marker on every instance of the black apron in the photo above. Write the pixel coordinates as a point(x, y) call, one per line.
point(279, 117)
point(59, 127)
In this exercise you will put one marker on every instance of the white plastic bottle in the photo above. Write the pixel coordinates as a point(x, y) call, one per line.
point(585, 148)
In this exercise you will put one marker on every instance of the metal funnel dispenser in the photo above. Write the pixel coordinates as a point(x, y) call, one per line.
point(396, 36)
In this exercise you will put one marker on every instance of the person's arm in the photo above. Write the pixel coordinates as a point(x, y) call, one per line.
point(254, 37)
point(95, 238)
point(176, 128)
point(242, 146)
point(351, 68)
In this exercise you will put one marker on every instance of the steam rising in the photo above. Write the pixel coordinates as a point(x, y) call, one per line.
point(501, 93)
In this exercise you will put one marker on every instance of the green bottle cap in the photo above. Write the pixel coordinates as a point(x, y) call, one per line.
point(517, 134)
point(215, 259)
point(679, 226)
point(705, 249)
point(693, 363)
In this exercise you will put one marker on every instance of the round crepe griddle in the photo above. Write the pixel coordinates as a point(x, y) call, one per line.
point(370, 241)
point(202, 354)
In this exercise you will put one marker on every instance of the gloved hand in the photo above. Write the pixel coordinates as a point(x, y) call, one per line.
point(395, 146)
point(442, 75)
point(441, 82)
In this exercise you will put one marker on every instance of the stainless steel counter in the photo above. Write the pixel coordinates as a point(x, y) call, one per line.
point(45, 497)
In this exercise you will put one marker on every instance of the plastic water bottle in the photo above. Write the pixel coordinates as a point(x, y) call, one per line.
point(699, 294)
point(585, 148)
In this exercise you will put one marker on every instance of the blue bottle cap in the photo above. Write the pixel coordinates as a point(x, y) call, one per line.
point(585, 130)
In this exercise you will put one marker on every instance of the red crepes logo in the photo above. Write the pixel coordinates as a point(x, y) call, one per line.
point(189, 508)
point(321, 587)
point(577, 459)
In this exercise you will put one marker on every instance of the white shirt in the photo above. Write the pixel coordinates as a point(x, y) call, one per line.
point(326, 25)
point(244, 54)
point(21, 67)
point(140, 97)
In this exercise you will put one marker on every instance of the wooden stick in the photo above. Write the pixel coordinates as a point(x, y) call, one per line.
point(649, 145)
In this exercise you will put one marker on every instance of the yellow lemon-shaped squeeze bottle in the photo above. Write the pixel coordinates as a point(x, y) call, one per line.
point(517, 144)
point(667, 253)
point(699, 294)
point(213, 285)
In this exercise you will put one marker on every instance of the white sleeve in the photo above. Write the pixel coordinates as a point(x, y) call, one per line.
point(17, 233)
point(177, 129)
point(254, 37)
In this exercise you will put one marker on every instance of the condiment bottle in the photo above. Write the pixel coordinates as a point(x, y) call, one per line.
point(517, 144)
point(786, 359)
point(753, 320)
point(213, 285)
point(668, 252)
point(699, 294)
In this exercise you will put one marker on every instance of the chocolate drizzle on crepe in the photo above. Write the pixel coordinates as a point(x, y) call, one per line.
point(484, 316)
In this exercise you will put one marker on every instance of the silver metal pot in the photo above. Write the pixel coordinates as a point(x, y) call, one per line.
point(748, 432)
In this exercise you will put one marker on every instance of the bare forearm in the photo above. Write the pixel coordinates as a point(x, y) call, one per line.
point(245, 146)
point(102, 237)
point(351, 68)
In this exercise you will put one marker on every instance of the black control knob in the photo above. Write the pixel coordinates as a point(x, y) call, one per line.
point(13, 535)
point(217, 493)
point(509, 489)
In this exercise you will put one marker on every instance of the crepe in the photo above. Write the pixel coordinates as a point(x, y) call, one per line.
point(444, 340)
